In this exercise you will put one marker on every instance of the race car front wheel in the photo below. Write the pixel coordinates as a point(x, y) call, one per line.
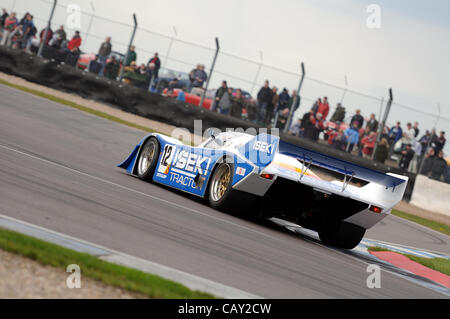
point(148, 159)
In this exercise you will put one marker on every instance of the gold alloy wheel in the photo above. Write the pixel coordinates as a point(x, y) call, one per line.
point(220, 182)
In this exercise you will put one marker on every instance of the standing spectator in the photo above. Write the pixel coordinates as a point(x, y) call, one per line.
point(306, 124)
point(357, 118)
point(395, 134)
point(199, 77)
point(424, 140)
point(237, 104)
point(428, 162)
point(9, 25)
point(324, 108)
point(293, 97)
point(103, 53)
point(416, 129)
point(285, 108)
point(352, 136)
point(339, 114)
point(368, 144)
point(372, 124)
point(59, 37)
point(316, 127)
point(417, 147)
point(340, 141)
point(225, 101)
point(112, 68)
point(283, 100)
point(362, 135)
point(382, 152)
point(131, 56)
point(439, 166)
point(73, 49)
point(29, 30)
point(271, 106)
point(49, 36)
point(407, 156)
point(192, 77)
point(154, 64)
point(408, 135)
point(219, 93)
point(75, 43)
point(316, 105)
point(3, 18)
point(438, 143)
point(94, 65)
point(264, 99)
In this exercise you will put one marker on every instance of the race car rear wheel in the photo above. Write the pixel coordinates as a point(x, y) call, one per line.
point(223, 197)
point(148, 159)
point(342, 235)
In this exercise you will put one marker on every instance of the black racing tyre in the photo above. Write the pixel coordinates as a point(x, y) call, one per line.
point(147, 159)
point(342, 235)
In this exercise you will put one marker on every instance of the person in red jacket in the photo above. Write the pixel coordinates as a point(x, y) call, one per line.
point(75, 43)
point(368, 144)
point(324, 108)
point(317, 126)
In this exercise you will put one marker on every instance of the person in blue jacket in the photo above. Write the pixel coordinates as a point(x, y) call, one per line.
point(352, 136)
point(395, 134)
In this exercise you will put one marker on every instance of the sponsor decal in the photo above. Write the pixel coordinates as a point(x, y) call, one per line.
point(264, 147)
point(183, 180)
point(240, 171)
point(166, 159)
point(190, 162)
point(163, 176)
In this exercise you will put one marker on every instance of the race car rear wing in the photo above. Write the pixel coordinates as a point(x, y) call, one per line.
point(348, 170)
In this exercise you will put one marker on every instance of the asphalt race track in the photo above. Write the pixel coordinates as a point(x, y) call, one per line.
point(58, 170)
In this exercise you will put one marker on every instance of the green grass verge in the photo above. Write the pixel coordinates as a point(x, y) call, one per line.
point(442, 228)
point(76, 106)
point(130, 279)
point(439, 264)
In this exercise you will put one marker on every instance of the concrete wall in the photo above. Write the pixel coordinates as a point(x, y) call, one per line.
point(431, 195)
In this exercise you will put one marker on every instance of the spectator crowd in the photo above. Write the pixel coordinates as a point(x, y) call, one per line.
point(357, 135)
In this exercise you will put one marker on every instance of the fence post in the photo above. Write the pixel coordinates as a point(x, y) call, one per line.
point(41, 47)
point(383, 123)
point(429, 140)
point(294, 101)
point(90, 25)
point(129, 46)
point(258, 71)
point(381, 109)
point(165, 59)
point(211, 72)
point(345, 90)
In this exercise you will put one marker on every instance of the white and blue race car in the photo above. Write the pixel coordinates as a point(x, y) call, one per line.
point(261, 174)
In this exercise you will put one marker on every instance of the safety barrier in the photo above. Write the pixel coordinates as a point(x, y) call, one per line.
point(431, 195)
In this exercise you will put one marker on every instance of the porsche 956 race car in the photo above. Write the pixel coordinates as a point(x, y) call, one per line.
point(238, 172)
